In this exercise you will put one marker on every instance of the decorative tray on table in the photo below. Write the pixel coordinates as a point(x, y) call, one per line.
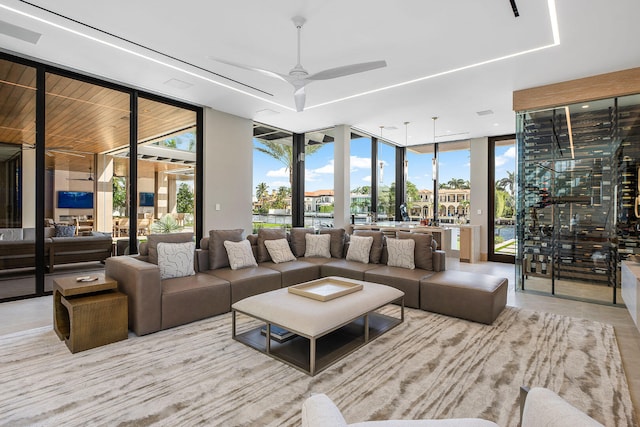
point(325, 289)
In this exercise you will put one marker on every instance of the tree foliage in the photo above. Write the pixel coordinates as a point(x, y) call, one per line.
point(185, 199)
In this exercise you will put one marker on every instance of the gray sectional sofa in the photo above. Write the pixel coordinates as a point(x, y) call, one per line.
point(156, 303)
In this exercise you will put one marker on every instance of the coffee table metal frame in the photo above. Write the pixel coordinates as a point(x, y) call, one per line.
point(333, 344)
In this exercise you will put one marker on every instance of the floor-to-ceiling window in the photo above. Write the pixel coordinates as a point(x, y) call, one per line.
point(318, 179)
point(454, 192)
point(65, 142)
point(272, 177)
point(17, 179)
point(386, 181)
point(419, 185)
point(502, 209)
point(360, 178)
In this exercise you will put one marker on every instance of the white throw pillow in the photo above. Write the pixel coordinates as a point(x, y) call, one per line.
point(359, 248)
point(317, 245)
point(176, 259)
point(240, 254)
point(401, 253)
point(279, 250)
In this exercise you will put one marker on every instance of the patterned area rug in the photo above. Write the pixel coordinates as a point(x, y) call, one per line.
point(431, 366)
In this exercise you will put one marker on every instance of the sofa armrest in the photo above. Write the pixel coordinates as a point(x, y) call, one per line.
point(140, 281)
point(542, 407)
point(202, 260)
point(439, 261)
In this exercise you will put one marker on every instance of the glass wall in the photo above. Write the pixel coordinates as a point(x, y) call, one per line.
point(318, 179)
point(360, 178)
point(17, 179)
point(272, 177)
point(420, 182)
point(75, 176)
point(502, 227)
point(386, 181)
point(577, 197)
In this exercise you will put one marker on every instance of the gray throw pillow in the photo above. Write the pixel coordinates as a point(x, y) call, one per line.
point(298, 240)
point(218, 257)
point(154, 239)
point(65, 230)
point(337, 241)
point(268, 234)
point(423, 253)
point(376, 248)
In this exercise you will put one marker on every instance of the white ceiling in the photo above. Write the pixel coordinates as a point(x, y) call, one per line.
point(461, 53)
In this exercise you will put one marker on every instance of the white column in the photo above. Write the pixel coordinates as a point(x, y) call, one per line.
point(341, 175)
point(479, 203)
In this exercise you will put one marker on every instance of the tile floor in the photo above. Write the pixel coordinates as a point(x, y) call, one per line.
point(37, 312)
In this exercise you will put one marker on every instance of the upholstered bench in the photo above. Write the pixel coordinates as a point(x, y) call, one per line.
point(472, 296)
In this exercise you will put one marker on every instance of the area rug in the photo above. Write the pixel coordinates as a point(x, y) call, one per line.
point(431, 366)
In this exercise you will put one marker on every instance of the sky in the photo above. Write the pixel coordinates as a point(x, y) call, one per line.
point(319, 167)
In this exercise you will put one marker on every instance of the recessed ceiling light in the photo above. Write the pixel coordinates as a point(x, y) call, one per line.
point(585, 106)
point(496, 124)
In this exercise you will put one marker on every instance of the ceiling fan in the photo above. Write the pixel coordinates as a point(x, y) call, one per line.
point(299, 77)
point(89, 178)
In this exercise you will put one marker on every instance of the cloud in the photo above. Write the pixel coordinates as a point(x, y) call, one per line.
point(507, 157)
point(280, 173)
point(356, 163)
point(367, 178)
point(274, 185)
point(326, 169)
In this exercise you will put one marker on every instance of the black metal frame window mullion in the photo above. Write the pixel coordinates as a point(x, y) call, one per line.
point(374, 178)
point(297, 186)
point(41, 95)
point(401, 178)
point(133, 173)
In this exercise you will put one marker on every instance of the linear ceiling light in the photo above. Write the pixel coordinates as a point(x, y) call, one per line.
point(139, 55)
point(556, 41)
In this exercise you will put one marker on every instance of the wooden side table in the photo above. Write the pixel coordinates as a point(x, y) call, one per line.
point(89, 314)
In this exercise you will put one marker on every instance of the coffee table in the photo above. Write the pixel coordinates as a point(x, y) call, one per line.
point(324, 331)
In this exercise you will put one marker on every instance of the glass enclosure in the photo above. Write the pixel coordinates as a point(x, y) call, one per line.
point(577, 197)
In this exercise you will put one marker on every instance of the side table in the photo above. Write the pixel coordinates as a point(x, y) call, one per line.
point(89, 314)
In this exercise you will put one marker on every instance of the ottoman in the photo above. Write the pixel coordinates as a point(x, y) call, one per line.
point(472, 296)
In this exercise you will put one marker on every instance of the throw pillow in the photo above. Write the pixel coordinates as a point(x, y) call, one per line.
point(154, 239)
point(376, 247)
point(65, 230)
point(359, 248)
point(240, 254)
point(217, 253)
point(279, 250)
point(401, 253)
point(298, 240)
point(337, 241)
point(423, 252)
point(318, 245)
point(176, 259)
point(268, 234)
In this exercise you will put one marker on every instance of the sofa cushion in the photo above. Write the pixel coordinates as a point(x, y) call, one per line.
point(65, 230)
point(154, 239)
point(423, 252)
point(359, 248)
point(337, 241)
point(268, 234)
point(401, 253)
point(240, 254)
point(298, 240)
point(218, 257)
point(318, 245)
point(176, 259)
point(279, 250)
point(376, 247)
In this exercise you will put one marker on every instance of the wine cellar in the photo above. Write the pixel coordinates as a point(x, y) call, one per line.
point(578, 196)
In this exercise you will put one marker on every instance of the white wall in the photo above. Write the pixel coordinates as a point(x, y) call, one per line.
point(480, 190)
point(228, 172)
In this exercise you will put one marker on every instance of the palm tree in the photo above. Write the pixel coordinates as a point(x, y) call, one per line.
point(261, 191)
point(284, 153)
point(508, 181)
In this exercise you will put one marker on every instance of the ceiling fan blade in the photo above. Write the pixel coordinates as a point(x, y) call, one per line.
point(274, 74)
point(347, 70)
point(299, 96)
